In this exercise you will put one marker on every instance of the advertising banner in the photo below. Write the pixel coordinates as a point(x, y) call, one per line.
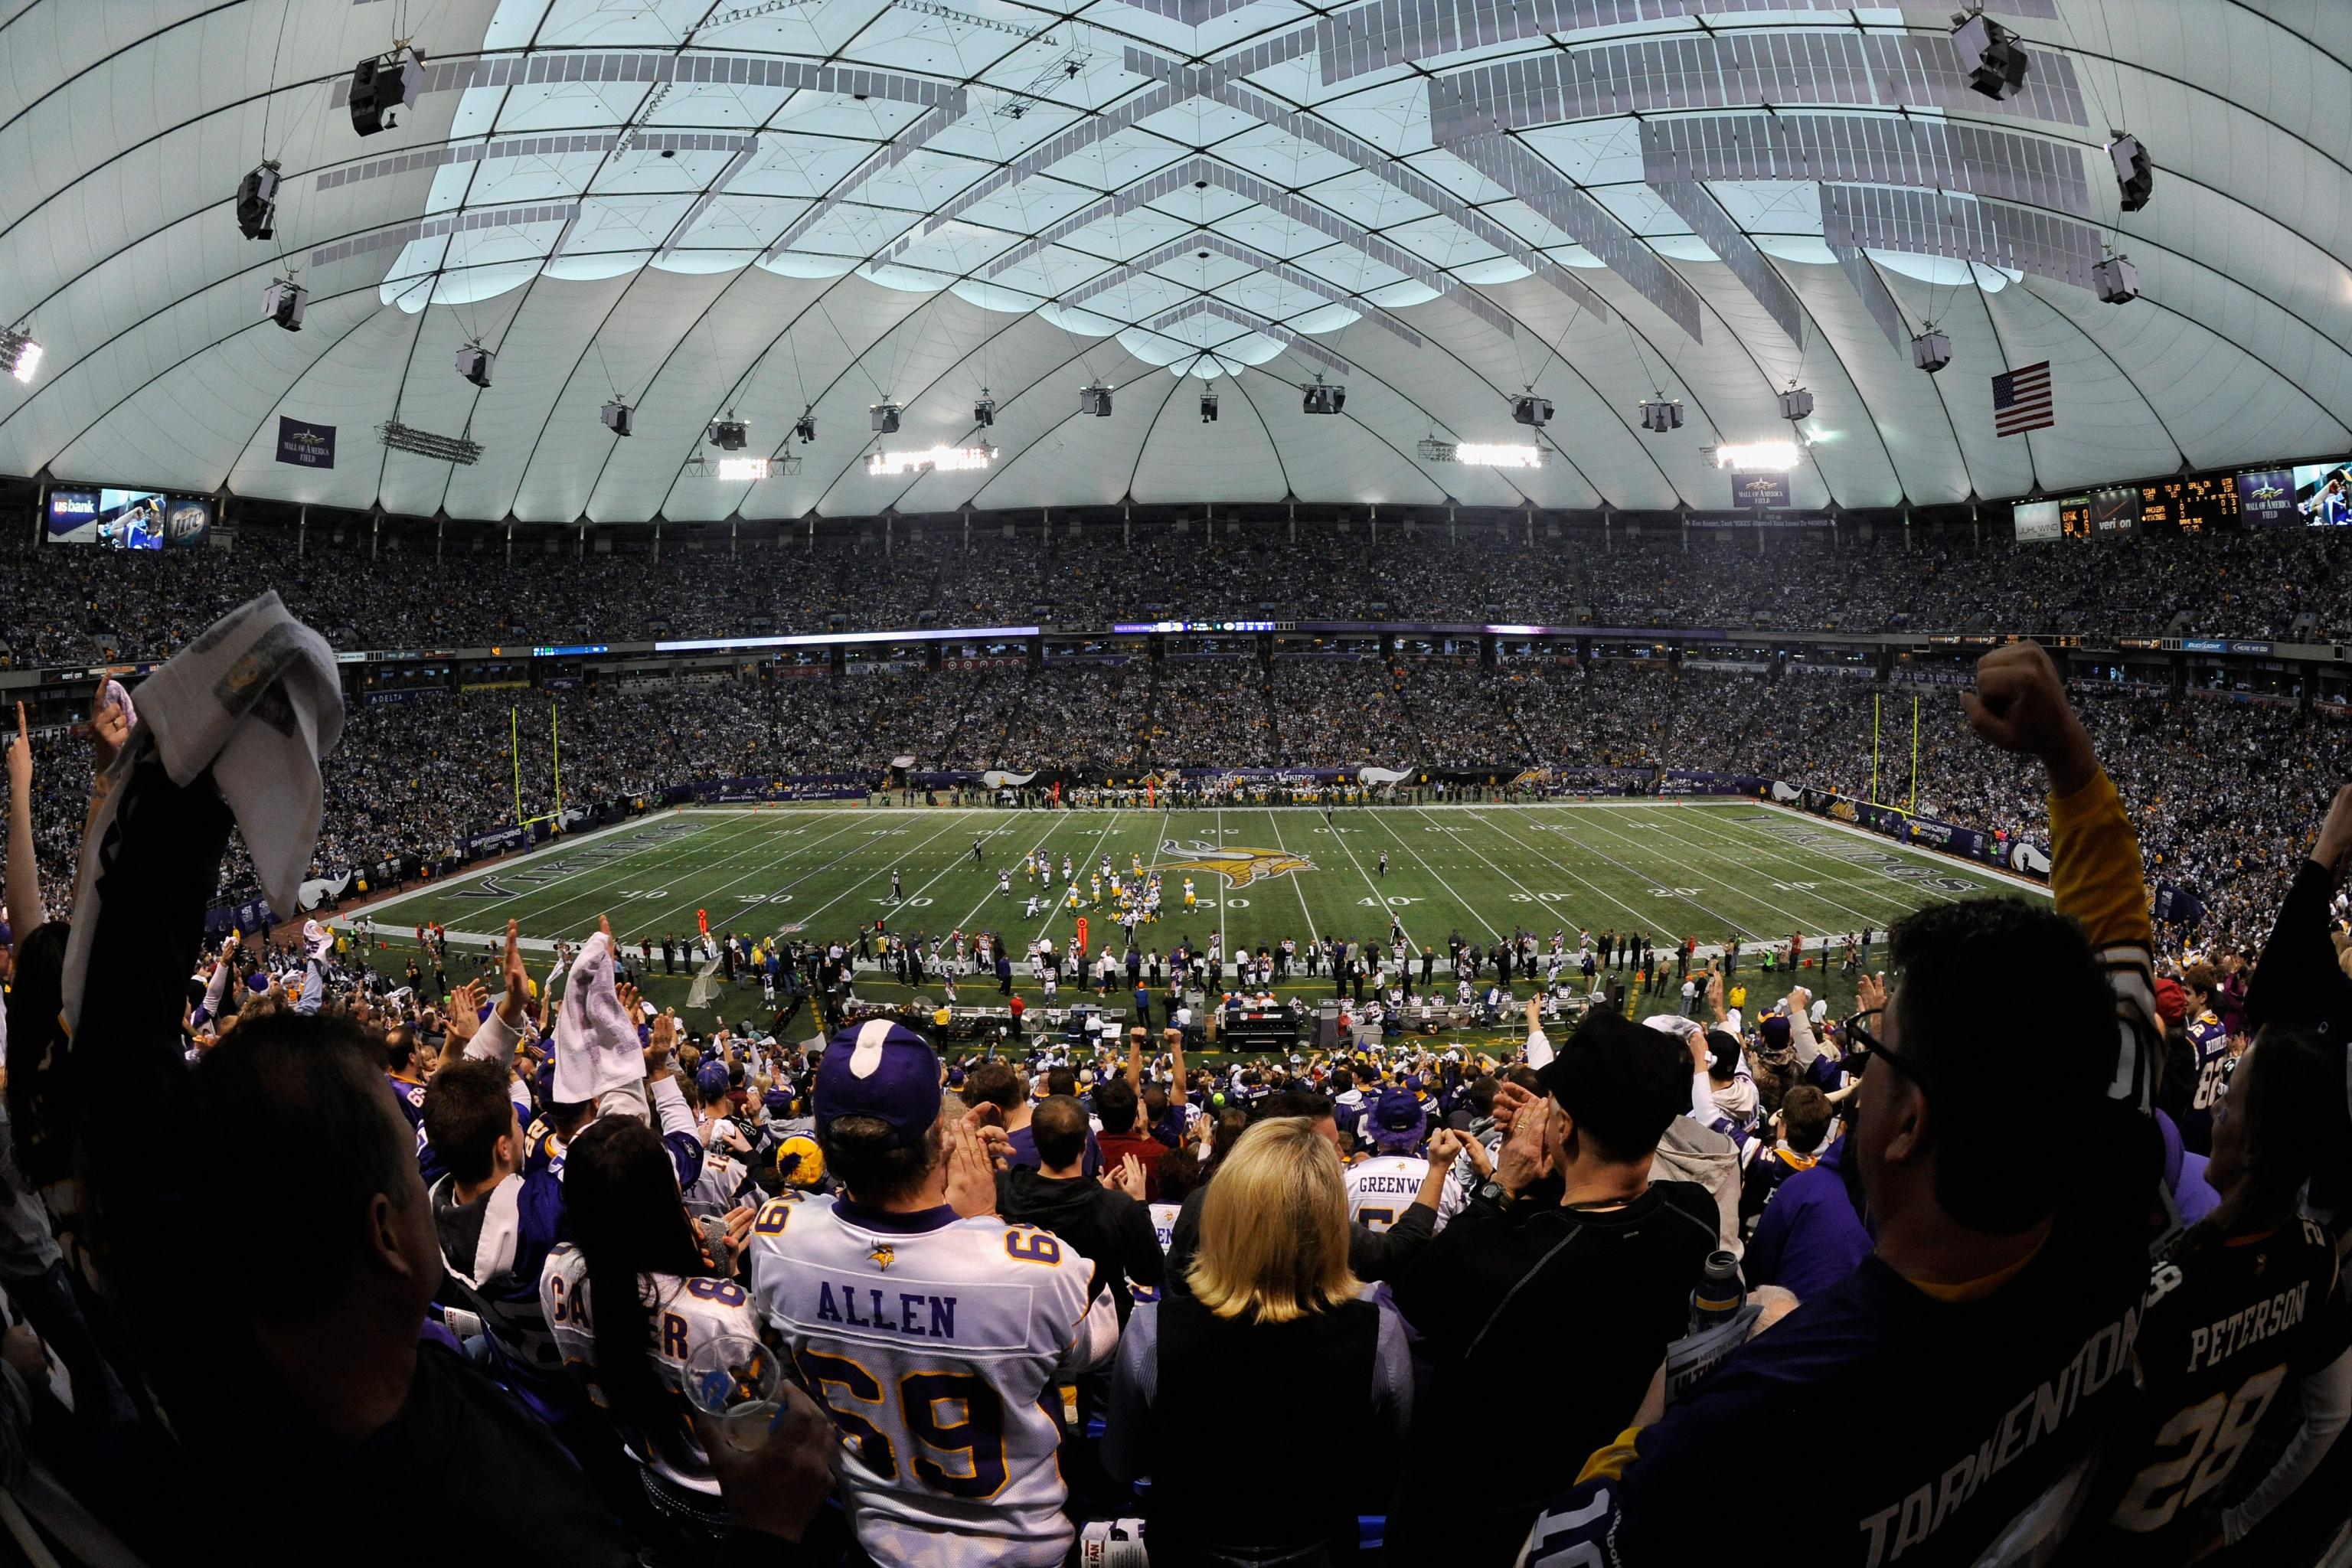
point(305, 445)
point(1687, 780)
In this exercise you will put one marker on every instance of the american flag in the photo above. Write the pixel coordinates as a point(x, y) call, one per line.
point(2021, 400)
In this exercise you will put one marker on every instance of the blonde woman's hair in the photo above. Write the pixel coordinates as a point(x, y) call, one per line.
point(1274, 1227)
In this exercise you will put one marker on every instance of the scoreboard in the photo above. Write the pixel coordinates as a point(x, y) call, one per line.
point(2195, 503)
point(2187, 503)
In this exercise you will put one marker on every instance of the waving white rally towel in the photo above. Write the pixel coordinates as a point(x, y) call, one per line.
point(255, 700)
point(596, 1048)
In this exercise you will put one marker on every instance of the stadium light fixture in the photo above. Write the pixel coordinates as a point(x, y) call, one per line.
point(257, 202)
point(474, 363)
point(983, 413)
point(461, 450)
point(1531, 410)
point(381, 85)
point(20, 356)
point(1761, 457)
point(1931, 351)
point(885, 418)
point(619, 417)
point(2116, 280)
point(727, 434)
point(1208, 409)
point(1660, 415)
point(740, 470)
point(1480, 454)
point(1797, 403)
point(1489, 455)
point(1990, 56)
point(282, 302)
point(1321, 396)
point(2135, 170)
point(1094, 398)
point(941, 460)
point(805, 428)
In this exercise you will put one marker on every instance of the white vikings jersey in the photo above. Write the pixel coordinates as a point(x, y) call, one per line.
point(1163, 1226)
point(931, 1340)
point(724, 1183)
point(687, 1314)
point(1381, 1188)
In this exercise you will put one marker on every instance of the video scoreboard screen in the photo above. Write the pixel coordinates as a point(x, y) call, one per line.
point(2322, 494)
point(127, 519)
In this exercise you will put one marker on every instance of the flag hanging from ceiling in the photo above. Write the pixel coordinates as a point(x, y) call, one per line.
point(2021, 400)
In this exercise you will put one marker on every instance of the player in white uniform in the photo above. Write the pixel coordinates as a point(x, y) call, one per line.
point(931, 1338)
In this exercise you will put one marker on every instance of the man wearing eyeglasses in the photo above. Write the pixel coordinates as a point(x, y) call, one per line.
point(1985, 1343)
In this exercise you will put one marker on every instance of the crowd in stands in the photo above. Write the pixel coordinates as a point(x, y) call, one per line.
point(2036, 1254)
point(421, 776)
point(74, 605)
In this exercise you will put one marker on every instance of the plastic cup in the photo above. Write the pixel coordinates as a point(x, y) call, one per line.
point(737, 1383)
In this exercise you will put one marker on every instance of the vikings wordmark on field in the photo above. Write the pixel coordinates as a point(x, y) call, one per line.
point(1237, 864)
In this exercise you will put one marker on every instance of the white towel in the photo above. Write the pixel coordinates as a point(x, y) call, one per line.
point(596, 1048)
point(255, 700)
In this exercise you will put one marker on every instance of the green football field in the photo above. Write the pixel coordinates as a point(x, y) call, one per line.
point(1711, 869)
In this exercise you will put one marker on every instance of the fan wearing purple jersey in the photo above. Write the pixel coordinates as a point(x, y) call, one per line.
point(2246, 1305)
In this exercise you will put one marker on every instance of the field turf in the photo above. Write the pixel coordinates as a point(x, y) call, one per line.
point(1711, 869)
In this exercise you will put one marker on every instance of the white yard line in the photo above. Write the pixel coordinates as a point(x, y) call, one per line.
point(1925, 857)
point(1054, 913)
point(505, 864)
point(1224, 891)
point(1054, 825)
point(1610, 898)
point(1716, 915)
point(1789, 917)
point(1312, 934)
point(1749, 850)
point(711, 895)
point(805, 921)
point(1406, 846)
point(761, 847)
point(1374, 887)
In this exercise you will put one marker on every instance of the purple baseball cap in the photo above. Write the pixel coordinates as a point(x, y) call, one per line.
point(885, 1070)
point(1398, 1111)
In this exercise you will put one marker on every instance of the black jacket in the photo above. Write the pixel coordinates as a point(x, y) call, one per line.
point(1110, 1230)
point(2298, 981)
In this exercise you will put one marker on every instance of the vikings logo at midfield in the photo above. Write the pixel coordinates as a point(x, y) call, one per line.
point(1237, 864)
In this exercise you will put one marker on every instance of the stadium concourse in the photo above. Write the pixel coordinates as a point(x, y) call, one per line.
point(1175, 784)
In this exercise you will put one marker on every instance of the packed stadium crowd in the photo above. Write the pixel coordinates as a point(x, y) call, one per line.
point(421, 776)
point(2041, 1244)
point(74, 606)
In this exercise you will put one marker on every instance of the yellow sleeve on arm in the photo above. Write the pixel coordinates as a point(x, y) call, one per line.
point(2095, 872)
point(2096, 876)
point(1608, 1462)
